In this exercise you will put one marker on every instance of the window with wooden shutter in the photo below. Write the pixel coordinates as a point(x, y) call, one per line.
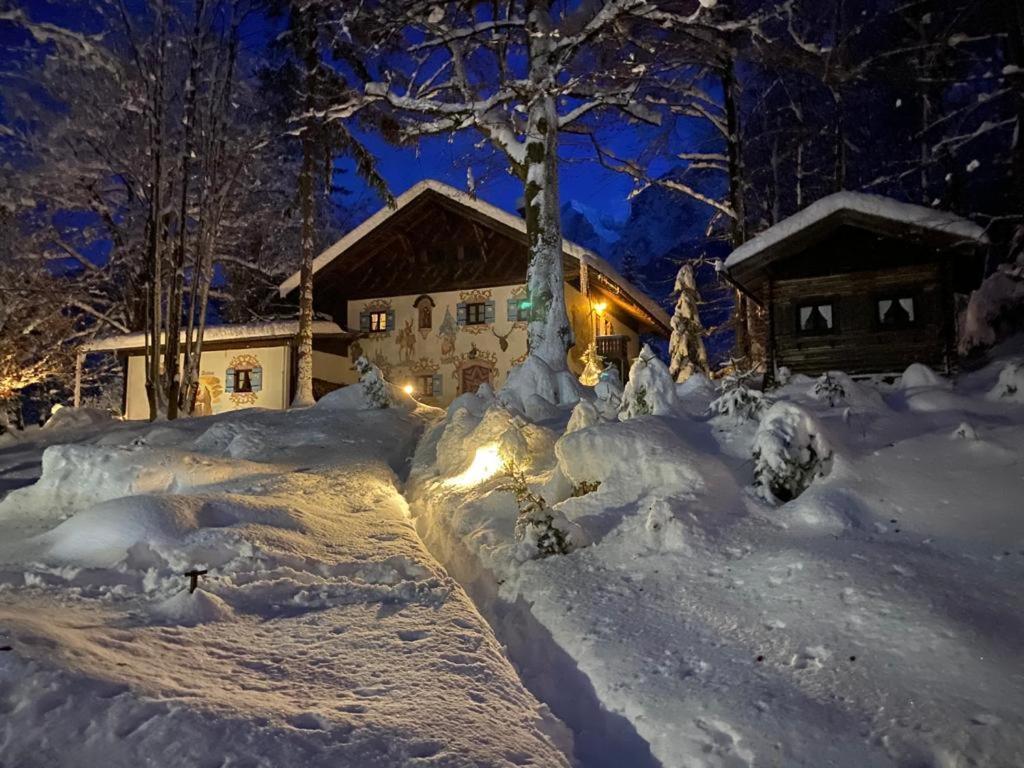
point(489, 312)
point(229, 380)
point(438, 384)
point(460, 313)
point(513, 310)
point(380, 321)
point(364, 322)
point(476, 312)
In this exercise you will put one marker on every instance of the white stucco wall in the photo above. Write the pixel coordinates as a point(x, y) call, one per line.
point(274, 362)
point(407, 351)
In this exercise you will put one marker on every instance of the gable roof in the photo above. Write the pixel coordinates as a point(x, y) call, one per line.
point(504, 220)
point(875, 212)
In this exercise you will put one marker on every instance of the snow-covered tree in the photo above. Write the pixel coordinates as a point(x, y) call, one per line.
point(789, 452)
point(686, 346)
point(520, 74)
point(650, 389)
point(375, 389)
point(536, 527)
point(593, 364)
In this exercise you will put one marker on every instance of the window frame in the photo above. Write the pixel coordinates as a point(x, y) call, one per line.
point(819, 301)
point(896, 296)
point(424, 385)
point(237, 380)
point(378, 314)
point(480, 308)
point(523, 307)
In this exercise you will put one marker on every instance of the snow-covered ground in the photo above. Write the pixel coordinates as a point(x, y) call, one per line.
point(324, 634)
point(875, 620)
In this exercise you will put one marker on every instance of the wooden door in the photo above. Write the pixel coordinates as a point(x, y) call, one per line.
point(473, 376)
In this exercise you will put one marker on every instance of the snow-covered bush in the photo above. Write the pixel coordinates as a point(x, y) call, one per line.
point(372, 382)
point(920, 376)
point(738, 401)
point(609, 393)
point(535, 378)
point(789, 452)
point(831, 387)
point(71, 418)
point(536, 527)
point(583, 415)
point(1010, 385)
point(965, 431)
point(995, 309)
point(650, 389)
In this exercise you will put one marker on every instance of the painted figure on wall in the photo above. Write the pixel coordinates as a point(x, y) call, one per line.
point(406, 342)
point(447, 333)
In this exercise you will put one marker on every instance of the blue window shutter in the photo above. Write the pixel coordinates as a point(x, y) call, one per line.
point(391, 320)
point(460, 313)
point(489, 312)
point(364, 321)
point(256, 378)
point(438, 384)
point(513, 310)
point(229, 380)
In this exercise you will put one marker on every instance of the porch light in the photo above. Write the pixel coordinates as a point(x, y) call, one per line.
point(600, 307)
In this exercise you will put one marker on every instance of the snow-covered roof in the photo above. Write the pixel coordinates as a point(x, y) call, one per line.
point(510, 220)
point(874, 206)
point(277, 329)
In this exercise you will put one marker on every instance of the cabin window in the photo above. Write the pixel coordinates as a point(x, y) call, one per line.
point(816, 317)
point(378, 322)
point(476, 313)
point(896, 311)
point(425, 386)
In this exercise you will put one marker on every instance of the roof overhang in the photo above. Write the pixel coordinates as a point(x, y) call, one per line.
point(634, 301)
point(225, 336)
point(745, 267)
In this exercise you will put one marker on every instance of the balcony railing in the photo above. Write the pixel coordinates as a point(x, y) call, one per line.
point(613, 347)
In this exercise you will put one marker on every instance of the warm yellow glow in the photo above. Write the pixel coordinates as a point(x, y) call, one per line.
point(408, 389)
point(600, 307)
point(486, 464)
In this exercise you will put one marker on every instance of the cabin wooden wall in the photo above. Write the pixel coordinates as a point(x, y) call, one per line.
point(861, 344)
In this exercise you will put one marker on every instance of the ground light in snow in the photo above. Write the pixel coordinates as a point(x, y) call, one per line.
point(487, 462)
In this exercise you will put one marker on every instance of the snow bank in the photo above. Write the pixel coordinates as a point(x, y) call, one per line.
point(1010, 385)
point(188, 610)
point(533, 387)
point(631, 459)
point(76, 418)
point(79, 475)
point(371, 392)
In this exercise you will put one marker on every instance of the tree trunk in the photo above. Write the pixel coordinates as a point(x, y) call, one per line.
point(304, 351)
point(155, 236)
point(549, 335)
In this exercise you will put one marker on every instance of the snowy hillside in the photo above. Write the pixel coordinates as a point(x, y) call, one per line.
point(323, 634)
point(875, 620)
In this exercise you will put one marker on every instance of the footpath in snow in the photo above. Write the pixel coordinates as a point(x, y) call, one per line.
point(874, 620)
point(324, 633)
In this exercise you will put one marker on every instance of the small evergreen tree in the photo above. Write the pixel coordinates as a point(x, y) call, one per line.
point(535, 523)
point(375, 389)
point(686, 347)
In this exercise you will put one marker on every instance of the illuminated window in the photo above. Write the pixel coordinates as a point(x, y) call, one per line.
point(378, 322)
point(896, 312)
point(818, 317)
point(476, 313)
point(425, 386)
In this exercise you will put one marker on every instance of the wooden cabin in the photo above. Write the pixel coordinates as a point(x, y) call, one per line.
point(860, 283)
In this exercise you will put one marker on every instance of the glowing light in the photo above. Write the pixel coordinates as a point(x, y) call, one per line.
point(600, 307)
point(408, 389)
point(486, 464)
point(525, 304)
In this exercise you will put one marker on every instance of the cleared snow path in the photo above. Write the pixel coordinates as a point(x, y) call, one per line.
point(324, 634)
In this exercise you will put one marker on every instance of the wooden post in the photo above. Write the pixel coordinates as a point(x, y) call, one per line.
point(79, 360)
point(769, 365)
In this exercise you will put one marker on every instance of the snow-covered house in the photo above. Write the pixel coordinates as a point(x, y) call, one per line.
point(432, 291)
point(435, 288)
point(242, 366)
point(860, 283)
